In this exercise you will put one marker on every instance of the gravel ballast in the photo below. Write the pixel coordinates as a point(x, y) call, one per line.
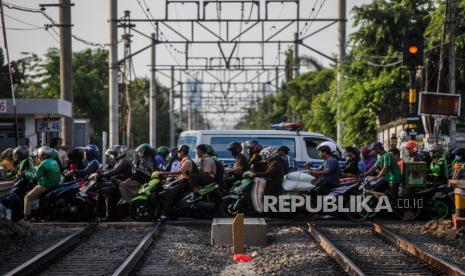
point(184, 250)
point(450, 249)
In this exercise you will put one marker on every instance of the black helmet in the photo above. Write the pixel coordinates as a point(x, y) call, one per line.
point(202, 148)
point(183, 148)
point(284, 149)
point(20, 153)
point(234, 147)
point(117, 151)
point(459, 152)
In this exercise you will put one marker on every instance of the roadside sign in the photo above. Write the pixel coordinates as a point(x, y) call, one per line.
point(48, 125)
point(439, 104)
point(2, 106)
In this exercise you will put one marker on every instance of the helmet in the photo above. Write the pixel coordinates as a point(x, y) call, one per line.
point(34, 153)
point(145, 150)
point(211, 151)
point(269, 153)
point(116, 151)
point(411, 146)
point(253, 146)
point(91, 152)
point(183, 148)
point(20, 153)
point(434, 148)
point(202, 147)
point(44, 153)
point(284, 149)
point(331, 145)
point(163, 151)
point(376, 145)
point(324, 148)
point(459, 152)
point(234, 147)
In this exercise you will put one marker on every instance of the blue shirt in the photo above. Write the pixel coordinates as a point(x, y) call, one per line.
point(333, 166)
point(160, 163)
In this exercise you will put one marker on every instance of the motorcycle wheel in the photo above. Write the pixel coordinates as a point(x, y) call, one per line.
point(78, 210)
point(141, 210)
point(357, 216)
point(440, 210)
point(225, 208)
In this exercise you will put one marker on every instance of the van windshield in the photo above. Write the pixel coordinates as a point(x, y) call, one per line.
point(191, 142)
point(221, 143)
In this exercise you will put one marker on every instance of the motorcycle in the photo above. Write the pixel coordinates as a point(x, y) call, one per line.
point(147, 204)
point(60, 201)
point(239, 197)
point(11, 205)
point(438, 201)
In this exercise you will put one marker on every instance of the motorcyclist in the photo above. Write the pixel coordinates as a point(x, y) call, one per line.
point(412, 149)
point(219, 177)
point(181, 184)
point(160, 158)
point(274, 172)
point(122, 167)
point(90, 155)
point(24, 165)
point(368, 158)
point(256, 162)
point(240, 162)
point(351, 168)
point(145, 165)
point(48, 176)
point(389, 175)
point(458, 162)
point(289, 162)
point(439, 172)
point(174, 161)
point(121, 170)
point(328, 173)
point(207, 171)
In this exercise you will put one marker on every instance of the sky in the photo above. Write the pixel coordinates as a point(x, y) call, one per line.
point(89, 18)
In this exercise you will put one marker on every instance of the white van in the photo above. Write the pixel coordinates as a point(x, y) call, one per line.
point(302, 144)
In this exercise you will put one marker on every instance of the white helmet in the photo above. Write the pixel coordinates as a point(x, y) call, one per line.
point(269, 153)
point(329, 144)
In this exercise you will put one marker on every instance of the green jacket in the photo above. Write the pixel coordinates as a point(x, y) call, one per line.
point(26, 168)
point(439, 169)
point(48, 174)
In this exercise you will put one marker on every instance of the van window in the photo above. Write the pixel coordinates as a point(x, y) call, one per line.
point(220, 144)
point(311, 143)
point(191, 142)
point(278, 142)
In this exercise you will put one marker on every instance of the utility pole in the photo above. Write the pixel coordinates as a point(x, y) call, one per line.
point(452, 64)
point(153, 94)
point(113, 74)
point(341, 31)
point(296, 55)
point(171, 103)
point(181, 104)
point(66, 68)
point(277, 79)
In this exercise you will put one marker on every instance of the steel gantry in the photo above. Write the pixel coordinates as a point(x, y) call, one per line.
point(224, 82)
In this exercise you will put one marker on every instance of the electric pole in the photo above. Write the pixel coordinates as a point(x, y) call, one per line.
point(153, 95)
point(171, 103)
point(296, 55)
point(66, 68)
point(341, 30)
point(113, 74)
point(452, 64)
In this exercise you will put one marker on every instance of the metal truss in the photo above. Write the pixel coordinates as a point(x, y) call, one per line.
point(226, 76)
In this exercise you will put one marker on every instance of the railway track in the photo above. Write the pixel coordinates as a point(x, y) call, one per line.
point(96, 249)
point(371, 249)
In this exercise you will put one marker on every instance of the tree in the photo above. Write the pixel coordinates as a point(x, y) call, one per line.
point(18, 75)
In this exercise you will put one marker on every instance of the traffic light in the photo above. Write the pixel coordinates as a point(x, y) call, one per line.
point(413, 49)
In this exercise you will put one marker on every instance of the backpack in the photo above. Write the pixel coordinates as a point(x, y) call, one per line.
point(219, 171)
point(195, 167)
